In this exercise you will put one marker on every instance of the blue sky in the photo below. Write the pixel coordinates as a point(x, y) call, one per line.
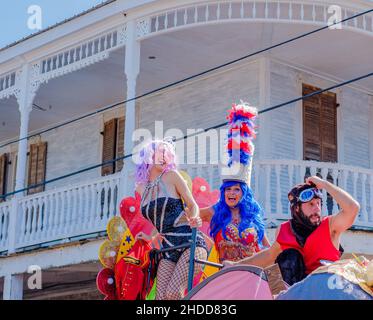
point(14, 16)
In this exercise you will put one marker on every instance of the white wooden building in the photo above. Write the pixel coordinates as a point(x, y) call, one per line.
point(126, 48)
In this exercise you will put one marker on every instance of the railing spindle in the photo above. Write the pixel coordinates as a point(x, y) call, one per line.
point(278, 190)
point(371, 198)
point(363, 209)
point(290, 173)
point(324, 174)
point(335, 174)
point(267, 205)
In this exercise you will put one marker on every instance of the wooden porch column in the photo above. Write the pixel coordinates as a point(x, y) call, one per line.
point(264, 133)
point(24, 99)
point(131, 69)
point(13, 287)
point(25, 107)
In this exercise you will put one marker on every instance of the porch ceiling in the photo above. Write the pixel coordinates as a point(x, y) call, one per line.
point(340, 54)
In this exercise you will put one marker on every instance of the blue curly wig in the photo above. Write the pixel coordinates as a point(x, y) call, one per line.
point(250, 211)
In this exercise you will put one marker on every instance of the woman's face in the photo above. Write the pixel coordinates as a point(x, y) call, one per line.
point(233, 195)
point(159, 157)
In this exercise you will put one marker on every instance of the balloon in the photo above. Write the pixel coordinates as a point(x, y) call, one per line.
point(130, 211)
point(108, 253)
point(187, 178)
point(202, 194)
point(105, 281)
point(116, 227)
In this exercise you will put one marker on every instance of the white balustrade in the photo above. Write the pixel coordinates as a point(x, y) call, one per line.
point(64, 213)
point(262, 10)
point(83, 209)
point(4, 223)
point(274, 178)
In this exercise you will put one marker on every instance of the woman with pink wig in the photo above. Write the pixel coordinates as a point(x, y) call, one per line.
point(162, 189)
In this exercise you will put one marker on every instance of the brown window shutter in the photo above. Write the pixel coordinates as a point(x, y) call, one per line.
point(37, 166)
point(120, 143)
point(319, 126)
point(311, 125)
point(329, 127)
point(41, 165)
point(109, 144)
point(32, 163)
point(3, 174)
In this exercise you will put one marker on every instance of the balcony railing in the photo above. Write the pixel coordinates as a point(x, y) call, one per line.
point(62, 213)
point(272, 180)
point(84, 209)
point(4, 224)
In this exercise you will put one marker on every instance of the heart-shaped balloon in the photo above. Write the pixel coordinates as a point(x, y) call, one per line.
point(116, 228)
point(202, 194)
point(204, 197)
point(105, 282)
point(108, 253)
point(130, 211)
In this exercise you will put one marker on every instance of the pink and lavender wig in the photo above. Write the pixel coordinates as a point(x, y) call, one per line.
point(147, 156)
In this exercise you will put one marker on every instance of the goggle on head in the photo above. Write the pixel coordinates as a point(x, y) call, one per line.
point(305, 195)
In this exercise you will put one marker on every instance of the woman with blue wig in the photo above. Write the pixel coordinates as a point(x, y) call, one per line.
point(236, 220)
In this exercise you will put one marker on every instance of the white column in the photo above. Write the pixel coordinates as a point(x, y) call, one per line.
point(13, 287)
point(264, 131)
point(24, 99)
point(341, 114)
point(299, 123)
point(131, 69)
point(371, 131)
point(25, 107)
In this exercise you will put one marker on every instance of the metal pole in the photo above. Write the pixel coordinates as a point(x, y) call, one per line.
point(208, 263)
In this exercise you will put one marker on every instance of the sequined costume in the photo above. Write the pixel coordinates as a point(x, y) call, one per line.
point(236, 245)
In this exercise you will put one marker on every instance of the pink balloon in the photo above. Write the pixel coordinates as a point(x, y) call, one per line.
point(202, 194)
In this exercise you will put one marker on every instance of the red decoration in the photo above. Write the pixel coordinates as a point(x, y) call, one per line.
point(131, 273)
point(204, 198)
point(105, 281)
point(130, 211)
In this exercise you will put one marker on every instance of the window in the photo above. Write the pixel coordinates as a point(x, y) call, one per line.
point(37, 166)
point(319, 126)
point(113, 145)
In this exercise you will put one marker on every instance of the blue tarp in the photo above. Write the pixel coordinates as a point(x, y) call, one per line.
point(325, 286)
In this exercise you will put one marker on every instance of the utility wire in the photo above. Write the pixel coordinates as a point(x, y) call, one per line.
point(188, 136)
point(188, 78)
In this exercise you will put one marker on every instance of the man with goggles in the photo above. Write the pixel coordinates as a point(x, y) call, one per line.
point(307, 238)
point(308, 194)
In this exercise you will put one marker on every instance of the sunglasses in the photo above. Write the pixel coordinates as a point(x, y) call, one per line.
point(309, 194)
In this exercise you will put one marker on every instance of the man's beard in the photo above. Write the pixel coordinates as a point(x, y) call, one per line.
point(308, 219)
point(301, 225)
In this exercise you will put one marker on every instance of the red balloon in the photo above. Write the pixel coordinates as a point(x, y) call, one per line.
point(130, 211)
point(105, 282)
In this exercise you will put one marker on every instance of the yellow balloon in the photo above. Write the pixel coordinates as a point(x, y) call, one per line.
point(187, 179)
point(116, 228)
point(108, 252)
